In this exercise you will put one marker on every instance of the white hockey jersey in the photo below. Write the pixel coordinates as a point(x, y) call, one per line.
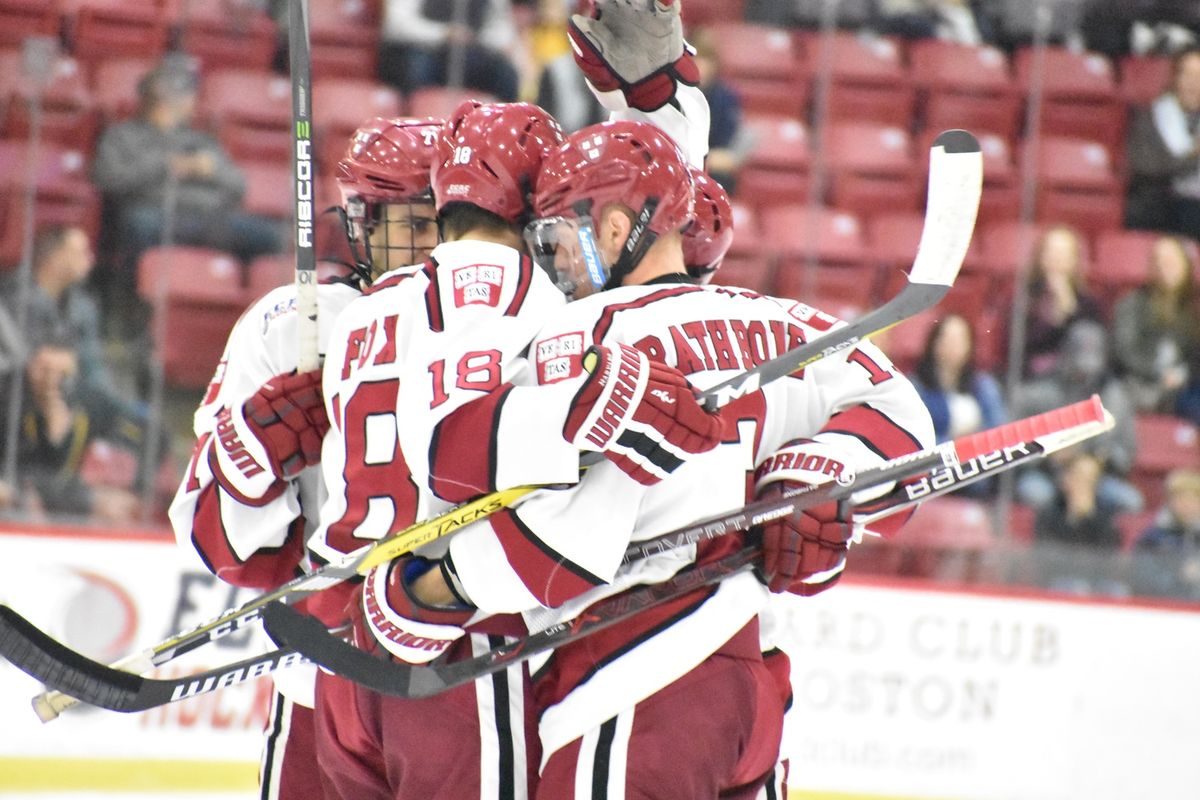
point(560, 550)
point(257, 544)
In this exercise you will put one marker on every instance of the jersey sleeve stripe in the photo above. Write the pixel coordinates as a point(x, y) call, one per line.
point(524, 280)
point(548, 575)
point(463, 464)
point(606, 319)
point(433, 298)
point(277, 488)
point(875, 429)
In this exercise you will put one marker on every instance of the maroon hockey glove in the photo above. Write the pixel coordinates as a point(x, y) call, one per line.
point(407, 629)
point(805, 552)
point(642, 414)
point(635, 47)
point(287, 415)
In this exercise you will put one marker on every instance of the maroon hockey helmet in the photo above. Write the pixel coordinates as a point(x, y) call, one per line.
point(388, 162)
point(489, 154)
point(707, 239)
point(633, 164)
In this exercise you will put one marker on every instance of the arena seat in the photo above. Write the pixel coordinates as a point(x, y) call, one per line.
point(776, 169)
point(1079, 95)
point(1132, 526)
point(1165, 443)
point(63, 193)
point(69, 114)
point(756, 52)
point(1077, 184)
point(1121, 261)
point(1143, 78)
point(872, 169)
point(747, 271)
point(697, 13)
point(96, 29)
point(267, 272)
point(269, 189)
point(344, 38)
point(440, 101)
point(228, 34)
point(838, 236)
point(960, 86)
point(340, 105)
point(203, 299)
point(869, 82)
point(115, 85)
point(251, 111)
point(20, 19)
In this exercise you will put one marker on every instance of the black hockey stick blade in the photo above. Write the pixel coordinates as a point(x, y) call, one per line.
point(955, 186)
point(67, 671)
point(307, 634)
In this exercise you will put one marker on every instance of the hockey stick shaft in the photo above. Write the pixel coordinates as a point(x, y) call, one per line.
point(65, 670)
point(954, 187)
point(998, 449)
point(304, 186)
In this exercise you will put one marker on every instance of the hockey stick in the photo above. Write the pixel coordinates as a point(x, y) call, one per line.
point(964, 461)
point(955, 184)
point(954, 189)
point(1002, 448)
point(302, 178)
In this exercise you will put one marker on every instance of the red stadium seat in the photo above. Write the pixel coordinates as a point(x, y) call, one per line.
point(1132, 526)
point(252, 113)
point(69, 113)
point(228, 33)
point(789, 97)
point(892, 238)
point(833, 236)
point(115, 85)
point(869, 80)
point(944, 540)
point(1079, 95)
point(204, 298)
point(340, 105)
point(269, 189)
point(905, 342)
point(960, 86)
point(1165, 443)
point(1003, 249)
point(697, 13)
point(776, 169)
point(98, 29)
point(1122, 260)
point(844, 290)
point(756, 52)
point(267, 272)
point(20, 19)
point(1077, 184)
point(63, 193)
point(748, 271)
point(1143, 78)
point(872, 168)
point(344, 38)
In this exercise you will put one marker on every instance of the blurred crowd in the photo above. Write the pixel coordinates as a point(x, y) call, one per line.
point(75, 339)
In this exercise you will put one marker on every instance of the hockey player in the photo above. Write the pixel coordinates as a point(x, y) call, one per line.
point(613, 202)
point(710, 235)
point(250, 495)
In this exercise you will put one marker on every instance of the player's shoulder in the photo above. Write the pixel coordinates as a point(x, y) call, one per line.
point(467, 279)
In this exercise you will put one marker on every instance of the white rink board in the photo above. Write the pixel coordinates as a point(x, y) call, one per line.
point(933, 694)
point(104, 595)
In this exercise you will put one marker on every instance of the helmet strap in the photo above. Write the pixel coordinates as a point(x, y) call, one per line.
point(640, 240)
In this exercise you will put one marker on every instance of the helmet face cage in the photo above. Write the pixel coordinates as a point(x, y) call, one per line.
point(371, 229)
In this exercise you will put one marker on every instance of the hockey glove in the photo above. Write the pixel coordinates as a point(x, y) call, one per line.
point(635, 47)
point(409, 630)
point(805, 552)
point(273, 436)
point(642, 414)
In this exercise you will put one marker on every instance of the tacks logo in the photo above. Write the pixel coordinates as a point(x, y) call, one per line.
point(560, 357)
point(478, 284)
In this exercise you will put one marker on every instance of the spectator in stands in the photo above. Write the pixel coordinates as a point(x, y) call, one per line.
point(1084, 370)
point(560, 86)
point(432, 43)
point(728, 145)
point(961, 398)
point(1057, 298)
point(1156, 332)
point(1073, 522)
point(1167, 554)
point(143, 162)
point(951, 20)
point(59, 308)
point(1163, 150)
point(55, 432)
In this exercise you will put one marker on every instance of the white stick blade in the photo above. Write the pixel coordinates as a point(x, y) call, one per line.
point(955, 186)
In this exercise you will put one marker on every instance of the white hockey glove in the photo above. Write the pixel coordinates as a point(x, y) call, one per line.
point(633, 52)
point(804, 553)
point(642, 414)
point(272, 436)
point(407, 629)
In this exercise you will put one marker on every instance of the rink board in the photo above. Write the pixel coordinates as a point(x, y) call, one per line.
point(900, 691)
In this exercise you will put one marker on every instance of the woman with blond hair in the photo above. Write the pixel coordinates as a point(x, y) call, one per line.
point(1156, 333)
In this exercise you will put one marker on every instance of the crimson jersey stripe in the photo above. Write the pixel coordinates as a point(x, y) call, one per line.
point(433, 298)
point(524, 280)
point(277, 487)
point(266, 568)
point(606, 319)
point(547, 574)
point(464, 466)
point(876, 430)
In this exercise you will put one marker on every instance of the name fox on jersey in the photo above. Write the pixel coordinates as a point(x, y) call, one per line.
point(478, 284)
point(233, 447)
point(723, 344)
point(967, 470)
point(560, 358)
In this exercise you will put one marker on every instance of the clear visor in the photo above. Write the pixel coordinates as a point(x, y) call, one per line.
point(566, 247)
